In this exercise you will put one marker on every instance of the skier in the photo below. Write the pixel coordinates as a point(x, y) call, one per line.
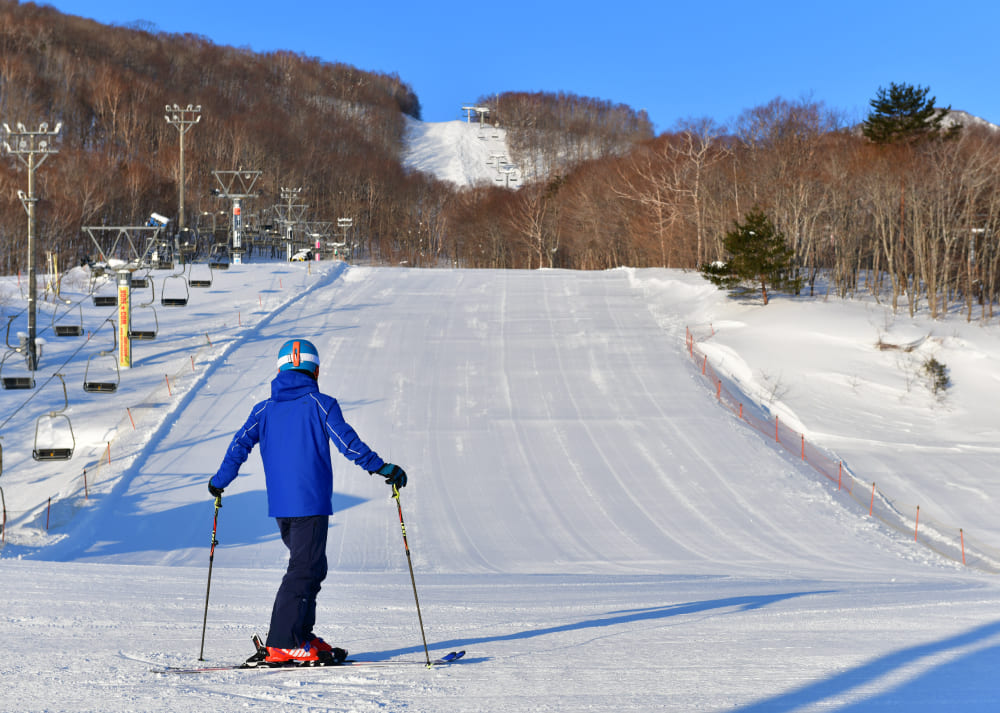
point(294, 428)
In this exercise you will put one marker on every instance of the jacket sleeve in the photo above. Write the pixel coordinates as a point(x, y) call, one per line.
point(239, 448)
point(347, 441)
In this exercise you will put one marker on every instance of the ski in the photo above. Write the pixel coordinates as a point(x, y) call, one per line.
point(448, 658)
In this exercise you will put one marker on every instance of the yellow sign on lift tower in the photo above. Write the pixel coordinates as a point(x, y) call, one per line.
point(124, 319)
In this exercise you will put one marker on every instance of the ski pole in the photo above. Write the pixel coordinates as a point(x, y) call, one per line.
point(413, 581)
point(211, 558)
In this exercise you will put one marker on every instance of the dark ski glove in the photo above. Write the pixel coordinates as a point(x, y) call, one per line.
point(393, 474)
point(216, 492)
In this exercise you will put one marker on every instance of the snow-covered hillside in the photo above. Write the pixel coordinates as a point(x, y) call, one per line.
point(585, 519)
point(460, 152)
point(967, 120)
point(468, 153)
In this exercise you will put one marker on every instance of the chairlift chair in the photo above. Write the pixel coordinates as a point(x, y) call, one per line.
point(201, 282)
point(164, 259)
point(101, 387)
point(61, 451)
point(218, 259)
point(15, 382)
point(146, 334)
point(139, 283)
point(174, 300)
point(105, 300)
point(68, 330)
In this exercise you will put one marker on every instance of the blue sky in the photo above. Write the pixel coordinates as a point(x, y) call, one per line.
point(675, 60)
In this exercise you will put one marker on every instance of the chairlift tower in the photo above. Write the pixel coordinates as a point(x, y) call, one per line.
point(140, 241)
point(236, 186)
point(290, 214)
point(497, 160)
point(481, 111)
point(31, 149)
point(344, 224)
point(182, 120)
point(508, 175)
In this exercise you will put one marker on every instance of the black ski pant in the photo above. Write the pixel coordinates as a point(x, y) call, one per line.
point(294, 612)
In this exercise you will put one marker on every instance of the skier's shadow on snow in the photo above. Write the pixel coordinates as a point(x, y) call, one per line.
point(243, 520)
point(615, 618)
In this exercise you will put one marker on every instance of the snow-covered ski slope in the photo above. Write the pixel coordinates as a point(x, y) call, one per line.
point(460, 152)
point(585, 520)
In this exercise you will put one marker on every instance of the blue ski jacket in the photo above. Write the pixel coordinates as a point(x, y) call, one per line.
point(294, 428)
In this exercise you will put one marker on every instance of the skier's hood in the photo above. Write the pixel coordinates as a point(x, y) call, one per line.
point(291, 385)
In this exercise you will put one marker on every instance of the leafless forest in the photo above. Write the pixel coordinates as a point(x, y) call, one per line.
point(914, 223)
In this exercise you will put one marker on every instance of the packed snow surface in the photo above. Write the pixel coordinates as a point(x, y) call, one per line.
point(585, 519)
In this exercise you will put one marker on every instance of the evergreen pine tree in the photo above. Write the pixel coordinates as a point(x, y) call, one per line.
point(759, 258)
point(903, 114)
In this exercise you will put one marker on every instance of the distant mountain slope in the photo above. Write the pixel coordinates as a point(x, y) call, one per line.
point(968, 120)
point(457, 151)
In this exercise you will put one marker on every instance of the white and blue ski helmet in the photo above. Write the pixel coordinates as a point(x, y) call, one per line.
point(299, 354)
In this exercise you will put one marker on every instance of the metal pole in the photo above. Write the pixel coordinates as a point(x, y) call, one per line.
point(24, 144)
point(32, 355)
point(180, 208)
point(182, 119)
point(413, 581)
point(208, 589)
point(237, 231)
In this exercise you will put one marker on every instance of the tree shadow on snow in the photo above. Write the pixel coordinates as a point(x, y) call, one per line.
point(967, 682)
